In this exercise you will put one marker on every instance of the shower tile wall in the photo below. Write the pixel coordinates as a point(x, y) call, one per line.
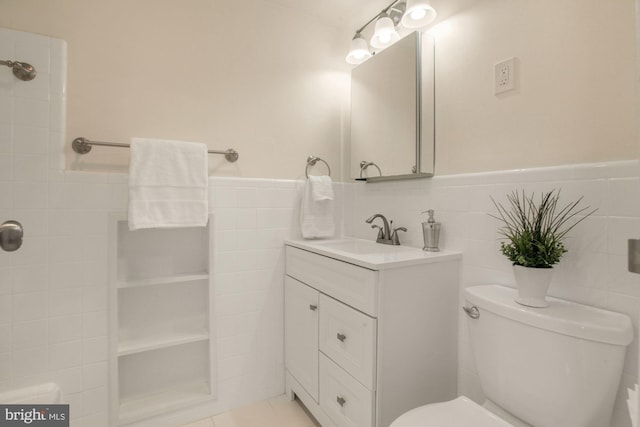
point(592, 272)
point(53, 306)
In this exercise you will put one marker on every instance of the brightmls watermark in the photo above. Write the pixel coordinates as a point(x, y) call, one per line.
point(34, 415)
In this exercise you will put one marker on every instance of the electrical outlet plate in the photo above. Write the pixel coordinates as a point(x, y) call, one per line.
point(504, 75)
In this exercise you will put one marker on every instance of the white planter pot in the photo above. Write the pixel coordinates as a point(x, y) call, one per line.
point(533, 284)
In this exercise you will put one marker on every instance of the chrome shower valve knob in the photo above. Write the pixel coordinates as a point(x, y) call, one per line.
point(11, 233)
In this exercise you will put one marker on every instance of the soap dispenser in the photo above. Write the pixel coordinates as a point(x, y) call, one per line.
point(431, 232)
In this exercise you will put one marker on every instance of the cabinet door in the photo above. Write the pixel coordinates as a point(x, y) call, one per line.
point(301, 334)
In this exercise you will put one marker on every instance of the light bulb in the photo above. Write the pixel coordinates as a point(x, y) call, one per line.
point(418, 13)
point(359, 50)
point(385, 32)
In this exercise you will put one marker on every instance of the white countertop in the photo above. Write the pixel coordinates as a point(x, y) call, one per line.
point(372, 255)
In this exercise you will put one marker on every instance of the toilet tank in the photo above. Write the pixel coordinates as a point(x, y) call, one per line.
point(550, 367)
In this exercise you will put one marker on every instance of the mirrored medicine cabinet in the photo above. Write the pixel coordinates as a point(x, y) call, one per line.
point(392, 112)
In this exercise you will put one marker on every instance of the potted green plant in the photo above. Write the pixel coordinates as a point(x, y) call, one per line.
point(534, 232)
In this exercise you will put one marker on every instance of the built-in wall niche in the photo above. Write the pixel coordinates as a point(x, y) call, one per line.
point(162, 347)
point(162, 380)
point(149, 316)
point(160, 253)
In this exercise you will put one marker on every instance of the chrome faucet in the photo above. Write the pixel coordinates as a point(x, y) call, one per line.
point(385, 235)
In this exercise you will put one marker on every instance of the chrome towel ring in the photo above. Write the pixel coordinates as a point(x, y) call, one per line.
point(311, 161)
point(364, 165)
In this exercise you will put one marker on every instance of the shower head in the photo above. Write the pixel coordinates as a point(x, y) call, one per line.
point(24, 71)
point(21, 70)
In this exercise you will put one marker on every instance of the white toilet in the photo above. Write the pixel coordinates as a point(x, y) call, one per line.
point(542, 367)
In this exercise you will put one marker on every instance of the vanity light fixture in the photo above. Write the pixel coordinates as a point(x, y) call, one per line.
point(409, 14)
point(359, 51)
point(385, 32)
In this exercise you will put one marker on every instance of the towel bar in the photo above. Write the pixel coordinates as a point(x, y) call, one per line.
point(83, 146)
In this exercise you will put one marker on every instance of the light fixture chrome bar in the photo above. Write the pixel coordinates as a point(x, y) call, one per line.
point(382, 12)
point(83, 146)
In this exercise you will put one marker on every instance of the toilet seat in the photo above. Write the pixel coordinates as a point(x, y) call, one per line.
point(459, 412)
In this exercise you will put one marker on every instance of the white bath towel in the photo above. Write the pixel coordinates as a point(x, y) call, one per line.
point(168, 184)
point(316, 217)
point(321, 187)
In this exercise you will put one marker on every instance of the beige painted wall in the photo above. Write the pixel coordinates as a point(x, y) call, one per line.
point(272, 83)
point(577, 88)
point(249, 75)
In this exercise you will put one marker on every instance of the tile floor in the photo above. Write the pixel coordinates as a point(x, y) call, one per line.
point(275, 412)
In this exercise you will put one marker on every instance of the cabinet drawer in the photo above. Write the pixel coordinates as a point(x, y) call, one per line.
point(355, 286)
point(347, 402)
point(348, 337)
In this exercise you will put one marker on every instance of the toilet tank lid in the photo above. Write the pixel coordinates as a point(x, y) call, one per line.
point(563, 317)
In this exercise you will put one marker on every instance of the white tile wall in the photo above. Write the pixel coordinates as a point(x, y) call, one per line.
point(53, 300)
point(593, 272)
point(253, 217)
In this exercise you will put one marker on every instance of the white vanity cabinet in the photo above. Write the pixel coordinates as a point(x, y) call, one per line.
point(369, 337)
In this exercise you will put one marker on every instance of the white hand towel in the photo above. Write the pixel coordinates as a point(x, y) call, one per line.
point(321, 187)
point(316, 217)
point(168, 184)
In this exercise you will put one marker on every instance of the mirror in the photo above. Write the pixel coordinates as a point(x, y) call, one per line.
point(392, 112)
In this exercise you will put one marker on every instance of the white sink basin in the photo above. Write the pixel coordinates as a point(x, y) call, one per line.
point(357, 246)
point(371, 255)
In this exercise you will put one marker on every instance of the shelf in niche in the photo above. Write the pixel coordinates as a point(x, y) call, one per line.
point(138, 407)
point(134, 346)
point(165, 280)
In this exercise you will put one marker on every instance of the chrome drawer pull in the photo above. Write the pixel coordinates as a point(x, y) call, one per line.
point(341, 401)
point(313, 307)
point(341, 337)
